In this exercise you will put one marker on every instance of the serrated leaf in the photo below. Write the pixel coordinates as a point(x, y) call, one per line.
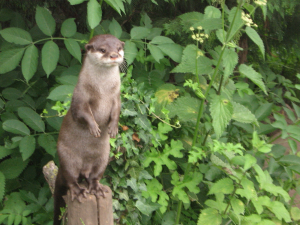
point(212, 12)
point(94, 13)
point(248, 190)
point(155, 52)
point(30, 62)
point(74, 48)
point(5, 152)
point(263, 111)
point(31, 118)
point(230, 60)
point(236, 22)
point(68, 27)
point(2, 185)
point(16, 35)
point(189, 60)
point(61, 92)
point(256, 39)
point(27, 146)
point(221, 110)
point(50, 56)
point(10, 59)
point(174, 51)
point(280, 211)
point(48, 142)
point(237, 206)
point(242, 114)
point(139, 32)
point(254, 76)
point(115, 28)
point(45, 21)
point(15, 127)
point(12, 168)
point(224, 186)
point(209, 217)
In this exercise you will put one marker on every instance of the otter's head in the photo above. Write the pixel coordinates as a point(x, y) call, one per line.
point(105, 50)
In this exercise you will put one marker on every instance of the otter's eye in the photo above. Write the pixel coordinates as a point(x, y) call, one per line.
point(119, 49)
point(102, 50)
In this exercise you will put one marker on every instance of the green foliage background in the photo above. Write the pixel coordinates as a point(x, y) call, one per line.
point(202, 94)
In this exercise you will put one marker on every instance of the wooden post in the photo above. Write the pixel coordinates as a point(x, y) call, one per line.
point(91, 211)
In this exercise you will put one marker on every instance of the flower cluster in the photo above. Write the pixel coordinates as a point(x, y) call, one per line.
point(199, 36)
point(261, 2)
point(248, 20)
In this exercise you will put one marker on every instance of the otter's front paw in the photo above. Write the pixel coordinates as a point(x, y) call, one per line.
point(95, 130)
point(113, 130)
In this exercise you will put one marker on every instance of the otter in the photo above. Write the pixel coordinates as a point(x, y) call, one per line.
point(83, 142)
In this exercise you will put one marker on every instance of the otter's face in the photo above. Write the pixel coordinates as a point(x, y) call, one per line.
point(105, 50)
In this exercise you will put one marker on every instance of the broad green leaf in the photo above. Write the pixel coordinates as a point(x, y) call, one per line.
point(2, 185)
point(10, 59)
point(143, 122)
point(254, 76)
point(61, 92)
point(11, 93)
point(263, 111)
point(132, 183)
point(242, 114)
point(64, 57)
point(209, 24)
point(48, 142)
point(32, 119)
point(256, 39)
point(174, 51)
point(290, 160)
point(209, 217)
point(68, 28)
point(221, 34)
point(146, 208)
point(248, 190)
point(94, 13)
point(27, 146)
point(5, 152)
point(115, 28)
point(158, 40)
point(190, 59)
point(295, 212)
point(221, 110)
point(237, 206)
point(230, 60)
point(236, 22)
point(249, 161)
point(16, 127)
point(16, 35)
point(76, 2)
point(293, 146)
point(212, 12)
point(155, 52)
point(50, 56)
point(68, 80)
point(30, 62)
point(74, 48)
point(13, 167)
point(117, 5)
point(224, 186)
point(139, 32)
point(280, 211)
point(190, 18)
point(45, 21)
point(130, 51)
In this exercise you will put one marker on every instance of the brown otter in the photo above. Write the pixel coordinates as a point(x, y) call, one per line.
point(83, 142)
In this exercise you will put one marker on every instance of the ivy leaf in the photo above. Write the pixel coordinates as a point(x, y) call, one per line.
point(10, 59)
point(146, 208)
point(132, 183)
point(15, 165)
point(115, 28)
point(16, 35)
point(143, 122)
point(50, 56)
point(94, 13)
point(209, 217)
point(256, 39)
point(254, 76)
point(48, 142)
point(61, 92)
point(68, 28)
point(30, 62)
point(27, 146)
point(45, 21)
point(242, 114)
point(139, 32)
point(130, 51)
point(15, 127)
point(74, 48)
point(224, 186)
point(31, 118)
point(221, 110)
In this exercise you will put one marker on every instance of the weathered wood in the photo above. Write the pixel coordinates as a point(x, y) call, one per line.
point(105, 210)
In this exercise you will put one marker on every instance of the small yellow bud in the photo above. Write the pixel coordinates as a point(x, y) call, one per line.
point(199, 28)
point(194, 37)
point(192, 28)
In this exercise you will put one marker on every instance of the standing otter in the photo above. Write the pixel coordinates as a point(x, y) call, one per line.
point(83, 142)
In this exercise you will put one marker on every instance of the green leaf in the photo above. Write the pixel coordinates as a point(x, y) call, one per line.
point(261, 146)
point(117, 5)
point(12, 168)
point(10, 59)
point(32, 119)
point(16, 35)
point(242, 114)
point(293, 146)
point(132, 183)
point(68, 27)
point(5, 152)
point(295, 212)
point(290, 160)
point(68, 80)
point(76, 2)
point(249, 161)
point(256, 39)
point(263, 111)
point(48, 142)
point(280, 211)
point(16, 127)
point(45, 21)
point(61, 92)
point(2, 186)
point(139, 32)
point(189, 59)
point(209, 217)
point(74, 48)
point(221, 110)
point(236, 22)
point(224, 186)
point(130, 51)
point(146, 208)
point(212, 12)
point(248, 190)
point(254, 76)
point(158, 40)
point(30, 62)
point(237, 206)
point(221, 34)
point(50, 56)
point(64, 57)
point(94, 13)
point(230, 60)
point(209, 24)
point(115, 28)
point(143, 122)
point(155, 52)
point(27, 146)
point(174, 51)
point(11, 93)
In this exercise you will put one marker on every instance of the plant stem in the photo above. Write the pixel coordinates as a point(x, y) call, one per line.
point(91, 34)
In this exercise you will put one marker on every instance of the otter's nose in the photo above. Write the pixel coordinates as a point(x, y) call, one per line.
point(114, 56)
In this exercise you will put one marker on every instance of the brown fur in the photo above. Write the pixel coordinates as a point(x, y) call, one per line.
point(83, 143)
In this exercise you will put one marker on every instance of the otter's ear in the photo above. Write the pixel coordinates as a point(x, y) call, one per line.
point(89, 47)
point(122, 43)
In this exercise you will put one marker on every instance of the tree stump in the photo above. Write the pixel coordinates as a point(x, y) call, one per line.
point(91, 211)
